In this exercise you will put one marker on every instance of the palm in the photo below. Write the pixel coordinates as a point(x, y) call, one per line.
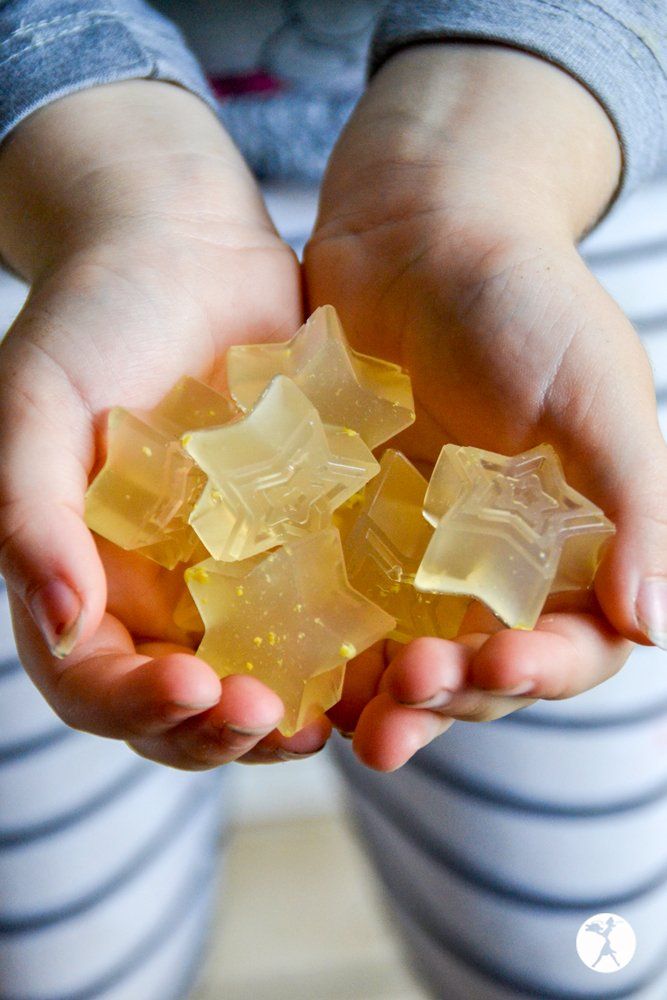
point(133, 313)
point(497, 351)
point(198, 326)
point(118, 326)
point(502, 340)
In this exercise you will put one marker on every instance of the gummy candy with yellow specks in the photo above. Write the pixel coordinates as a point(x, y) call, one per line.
point(143, 495)
point(290, 618)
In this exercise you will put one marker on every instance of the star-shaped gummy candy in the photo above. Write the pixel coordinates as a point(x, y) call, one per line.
point(384, 547)
point(277, 474)
point(143, 495)
point(509, 531)
point(291, 619)
point(349, 389)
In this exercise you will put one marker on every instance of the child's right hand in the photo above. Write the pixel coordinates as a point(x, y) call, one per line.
point(149, 250)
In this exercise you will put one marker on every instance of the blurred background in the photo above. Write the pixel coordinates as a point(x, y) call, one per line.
point(301, 916)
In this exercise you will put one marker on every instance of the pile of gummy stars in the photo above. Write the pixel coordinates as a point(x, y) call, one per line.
point(297, 548)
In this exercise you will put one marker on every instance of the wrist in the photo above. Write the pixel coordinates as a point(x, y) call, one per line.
point(133, 156)
point(482, 130)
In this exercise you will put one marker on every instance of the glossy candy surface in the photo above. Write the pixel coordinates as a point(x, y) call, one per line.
point(384, 547)
point(277, 474)
point(509, 531)
point(349, 389)
point(196, 476)
point(290, 618)
point(143, 494)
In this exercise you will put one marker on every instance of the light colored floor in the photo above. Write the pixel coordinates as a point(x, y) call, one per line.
point(300, 918)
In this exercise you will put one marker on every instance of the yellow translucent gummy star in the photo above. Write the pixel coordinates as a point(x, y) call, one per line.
point(275, 475)
point(509, 531)
point(349, 389)
point(290, 619)
point(142, 496)
point(384, 547)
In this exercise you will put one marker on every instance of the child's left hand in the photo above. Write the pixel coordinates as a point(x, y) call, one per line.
point(447, 239)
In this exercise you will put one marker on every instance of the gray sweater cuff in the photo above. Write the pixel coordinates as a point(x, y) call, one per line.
point(51, 48)
point(615, 48)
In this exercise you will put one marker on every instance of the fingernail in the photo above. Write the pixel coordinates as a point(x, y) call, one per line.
point(438, 700)
point(291, 755)
point(248, 730)
point(58, 613)
point(523, 688)
point(192, 706)
point(651, 610)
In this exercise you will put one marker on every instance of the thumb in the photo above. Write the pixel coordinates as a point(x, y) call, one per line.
point(631, 583)
point(47, 554)
point(601, 412)
point(620, 460)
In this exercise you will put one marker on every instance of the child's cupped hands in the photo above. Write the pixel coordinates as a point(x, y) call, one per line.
point(447, 239)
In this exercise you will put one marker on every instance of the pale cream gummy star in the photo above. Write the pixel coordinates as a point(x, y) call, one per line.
point(509, 531)
point(275, 475)
point(384, 546)
point(369, 395)
point(142, 496)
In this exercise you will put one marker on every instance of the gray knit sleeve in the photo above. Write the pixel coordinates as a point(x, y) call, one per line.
point(50, 48)
point(616, 48)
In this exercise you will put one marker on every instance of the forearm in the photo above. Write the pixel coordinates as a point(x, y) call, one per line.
point(617, 49)
point(484, 131)
point(110, 156)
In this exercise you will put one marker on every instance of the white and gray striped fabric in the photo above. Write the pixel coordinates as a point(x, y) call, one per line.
point(107, 862)
point(493, 845)
point(499, 840)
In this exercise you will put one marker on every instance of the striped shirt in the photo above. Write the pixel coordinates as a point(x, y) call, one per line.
point(496, 842)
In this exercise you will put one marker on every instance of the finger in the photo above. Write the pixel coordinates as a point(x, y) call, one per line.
point(472, 705)
point(566, 654)
point(389, 734)
point(276, 748)
point(614, 452)
point(631, 582)
point(246, 713)
point(157, 649)
point(362, 677)
point(142, 594)
point(107, 688)
point(271, 749)
point(46, 447)
point(482, 678)
point(432, 674)
point(427, 672)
